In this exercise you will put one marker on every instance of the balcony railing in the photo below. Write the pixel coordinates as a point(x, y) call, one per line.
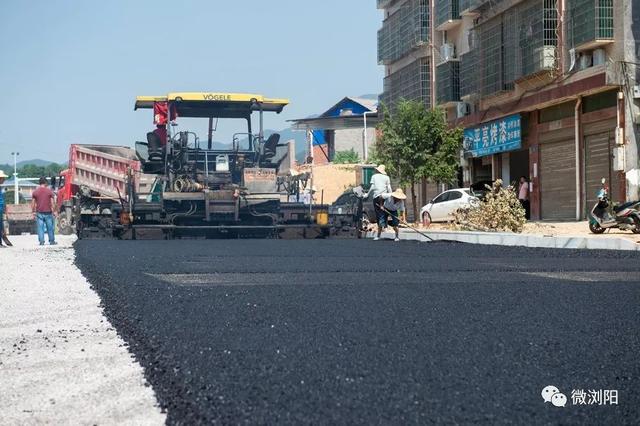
point(591, 23)
point(446, 11)
point(448, 82)
point(403, 31)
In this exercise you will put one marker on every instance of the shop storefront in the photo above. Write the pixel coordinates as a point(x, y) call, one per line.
point(497, 150)
point(564, 164)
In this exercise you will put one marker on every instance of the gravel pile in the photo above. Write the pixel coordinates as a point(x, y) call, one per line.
point(61, 361)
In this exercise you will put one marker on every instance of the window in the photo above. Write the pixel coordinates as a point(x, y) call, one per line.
point(454, 195)
point(441, 198)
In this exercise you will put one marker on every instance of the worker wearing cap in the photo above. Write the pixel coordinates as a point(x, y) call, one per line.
point(3, 176)
point(380, 186)
point(392, 206)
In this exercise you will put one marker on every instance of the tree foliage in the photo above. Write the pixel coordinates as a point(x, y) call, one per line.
point(416, 143)
point(33, 171)
point(346, 157)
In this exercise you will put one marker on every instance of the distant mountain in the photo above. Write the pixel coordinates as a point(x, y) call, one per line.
point(369, 96)
point(36, 162)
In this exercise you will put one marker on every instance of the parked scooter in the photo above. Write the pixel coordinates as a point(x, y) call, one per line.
point(625, 216)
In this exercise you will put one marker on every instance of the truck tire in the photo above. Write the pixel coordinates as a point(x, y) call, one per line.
point(64, 227)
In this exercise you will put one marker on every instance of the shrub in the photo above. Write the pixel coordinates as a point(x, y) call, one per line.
point(500, 211)
point(346, 157)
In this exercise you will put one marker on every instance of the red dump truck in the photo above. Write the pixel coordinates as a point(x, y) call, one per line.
point(96, 172)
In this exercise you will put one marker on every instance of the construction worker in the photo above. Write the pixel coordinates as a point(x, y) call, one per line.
point(392, 206)
point(43, 205)
point(380, 186)
point(3, 176)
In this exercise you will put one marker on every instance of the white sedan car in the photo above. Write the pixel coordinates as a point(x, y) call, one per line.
point(441, 208)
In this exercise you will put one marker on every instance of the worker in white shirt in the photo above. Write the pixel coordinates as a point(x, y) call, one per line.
point(380, 186)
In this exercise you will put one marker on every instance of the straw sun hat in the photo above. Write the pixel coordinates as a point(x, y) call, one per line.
point(399, 194)
point(381, 169)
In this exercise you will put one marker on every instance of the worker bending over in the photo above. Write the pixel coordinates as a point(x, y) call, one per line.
point(392, 206)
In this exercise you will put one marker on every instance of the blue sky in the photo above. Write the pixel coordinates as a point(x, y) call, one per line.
point(70, 70)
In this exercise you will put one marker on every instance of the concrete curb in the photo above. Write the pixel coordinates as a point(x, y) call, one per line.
point(524, 240)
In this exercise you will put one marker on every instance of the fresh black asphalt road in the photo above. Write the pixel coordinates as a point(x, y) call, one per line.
point(364, 332)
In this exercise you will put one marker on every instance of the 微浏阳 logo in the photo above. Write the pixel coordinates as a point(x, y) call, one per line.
point(553, 395)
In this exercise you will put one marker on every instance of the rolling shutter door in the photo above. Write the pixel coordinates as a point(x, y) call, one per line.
point(597, 165)
point(558, 175)
point(599, 140)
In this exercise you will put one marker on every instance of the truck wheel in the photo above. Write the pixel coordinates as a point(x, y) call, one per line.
point(595, 228)
point(64, 227)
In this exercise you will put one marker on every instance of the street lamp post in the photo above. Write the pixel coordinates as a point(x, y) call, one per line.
point(16, 198)
point(365, 142)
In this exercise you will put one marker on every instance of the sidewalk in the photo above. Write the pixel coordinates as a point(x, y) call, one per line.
point(61, 362)
point(574, 235)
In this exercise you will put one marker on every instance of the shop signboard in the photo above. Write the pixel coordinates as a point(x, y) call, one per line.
point(493, 137)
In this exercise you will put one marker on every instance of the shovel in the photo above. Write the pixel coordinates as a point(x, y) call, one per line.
point(407, 225)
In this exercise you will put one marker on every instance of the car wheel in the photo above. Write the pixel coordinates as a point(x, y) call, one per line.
point(426, 219)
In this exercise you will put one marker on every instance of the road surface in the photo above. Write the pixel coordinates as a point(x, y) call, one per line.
point(354, 331)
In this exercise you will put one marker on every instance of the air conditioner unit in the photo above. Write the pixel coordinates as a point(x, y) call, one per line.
point(545, 57)
point(462, 109)
point(447, 52)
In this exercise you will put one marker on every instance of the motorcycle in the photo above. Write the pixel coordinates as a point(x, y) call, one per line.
point(625, 216)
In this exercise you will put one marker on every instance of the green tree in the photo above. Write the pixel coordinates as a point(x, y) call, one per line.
point(416, 143)
point(346, 157)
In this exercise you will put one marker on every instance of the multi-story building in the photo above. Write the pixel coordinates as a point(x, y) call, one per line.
point(546, 89)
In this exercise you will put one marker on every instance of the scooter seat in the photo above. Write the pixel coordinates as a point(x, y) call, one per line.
point(623, 206)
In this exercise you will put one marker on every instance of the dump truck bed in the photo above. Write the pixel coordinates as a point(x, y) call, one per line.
point(102, 168)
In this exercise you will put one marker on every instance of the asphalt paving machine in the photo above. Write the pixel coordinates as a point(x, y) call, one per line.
point(200, 188)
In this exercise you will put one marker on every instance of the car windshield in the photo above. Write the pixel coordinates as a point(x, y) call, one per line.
point(467, 191)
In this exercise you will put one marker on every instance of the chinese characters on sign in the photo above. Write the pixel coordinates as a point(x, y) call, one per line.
point(493, 137)
point(594, 397)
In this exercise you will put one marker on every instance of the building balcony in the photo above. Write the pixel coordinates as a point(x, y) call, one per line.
point(591, 23)
point(383, 4)
point(404, 31)
point(448, 82)
point(447, 14)
point(469, 79)
point(465, 8)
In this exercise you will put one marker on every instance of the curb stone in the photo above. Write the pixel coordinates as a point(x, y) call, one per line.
point(524, 240)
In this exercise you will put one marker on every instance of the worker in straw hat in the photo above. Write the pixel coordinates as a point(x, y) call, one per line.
point(392, 206)
point(3, 176)
point(380, 186)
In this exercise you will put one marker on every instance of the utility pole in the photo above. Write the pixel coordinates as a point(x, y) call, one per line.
point(16, 198)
